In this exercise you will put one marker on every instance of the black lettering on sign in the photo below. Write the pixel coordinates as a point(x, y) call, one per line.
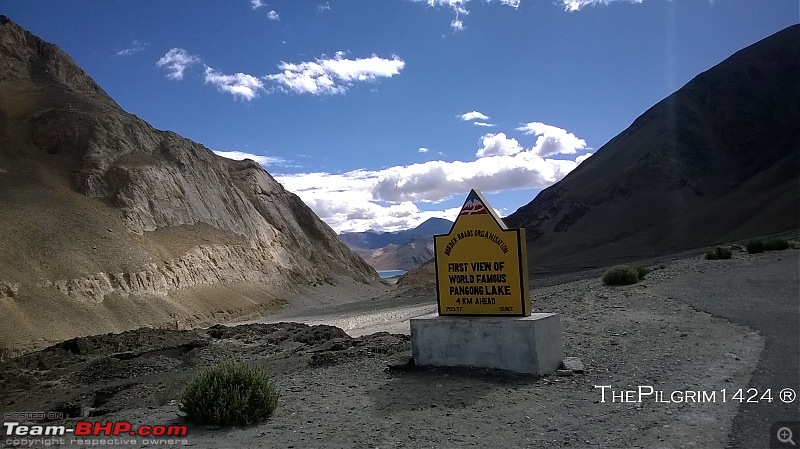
point(494, 278)
point(481, 266)
point(457, 267)
point(466, 290)
point(504, 290)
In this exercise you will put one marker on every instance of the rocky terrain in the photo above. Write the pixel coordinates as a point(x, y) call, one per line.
point(108, 224)
point(717, 161)
point(402, 250)
point(340, 391)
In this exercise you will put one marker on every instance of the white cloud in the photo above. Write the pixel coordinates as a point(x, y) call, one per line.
point(273, 15)
point(333, 75)
point(460, 10)
point(487, 125)
point(474, 115)
point(322, 7)
point(323, 76)
point(423, 150)
point(263, 160)
point(136, 47)
point(577, 5)
point(582, 158)
point(552, 140)
point(239, 85)
point(176, 61)
point(498, 145)
point(385, 199)
point(257, 3)
point(346, 203)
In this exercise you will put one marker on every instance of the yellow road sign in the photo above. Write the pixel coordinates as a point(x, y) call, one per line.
point(481, 265)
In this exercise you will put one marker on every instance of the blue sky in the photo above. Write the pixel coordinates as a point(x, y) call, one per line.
point(383, 113)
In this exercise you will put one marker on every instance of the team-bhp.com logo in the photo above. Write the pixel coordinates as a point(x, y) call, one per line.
point(94, 429)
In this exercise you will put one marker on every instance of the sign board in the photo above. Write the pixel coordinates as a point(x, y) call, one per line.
point(481, 265)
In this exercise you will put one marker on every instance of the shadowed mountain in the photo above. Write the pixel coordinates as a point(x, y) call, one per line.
point(107, 224)
point(717, 161)
point(402, 250)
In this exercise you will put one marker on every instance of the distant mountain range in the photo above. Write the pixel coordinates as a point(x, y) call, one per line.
point(402, 250)
point(717, 161)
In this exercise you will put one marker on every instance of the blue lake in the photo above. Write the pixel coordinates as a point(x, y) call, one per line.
point(386, 274)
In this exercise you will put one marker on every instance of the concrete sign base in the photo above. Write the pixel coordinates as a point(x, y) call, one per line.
point(532, 344)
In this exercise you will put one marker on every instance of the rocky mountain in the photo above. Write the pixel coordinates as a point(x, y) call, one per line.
point(402, 250)
point(717, 161)
point(107, 224)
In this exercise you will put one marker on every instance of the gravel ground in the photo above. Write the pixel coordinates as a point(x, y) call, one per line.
point(338, 394)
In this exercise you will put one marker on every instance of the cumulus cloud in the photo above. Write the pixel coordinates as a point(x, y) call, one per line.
point(552, 140)
point(473, 115)
point(136, 47)
point(257, 3)
point(423, 150)
point(346, 203)
point(387, 199)
point(263, 160)
point(240, 85)
point(582, 158)
point(333, 75)
point(577, 5)
point(273, 15)
point(322, 76)
point(498, 145)
point(176, 61)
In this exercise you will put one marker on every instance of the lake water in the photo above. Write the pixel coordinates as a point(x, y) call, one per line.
point(386, 274)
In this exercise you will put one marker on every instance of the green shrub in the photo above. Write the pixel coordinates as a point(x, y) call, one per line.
point(718, 253)
point(758, 246)
point(641, 271)
point(230, 393)
point(776, 245)
point(755, 246)
point(621, 275)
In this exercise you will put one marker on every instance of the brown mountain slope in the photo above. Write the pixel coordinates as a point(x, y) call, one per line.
point(718, 160)
point(108, 224)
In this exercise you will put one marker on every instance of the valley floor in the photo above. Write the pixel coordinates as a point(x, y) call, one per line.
point(337, 392)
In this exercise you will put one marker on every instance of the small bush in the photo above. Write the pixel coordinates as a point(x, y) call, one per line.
point(641, 271)
point(755, 246)
point(621, 275)
point(230, 393)
point(776, 245)
point(758, 246)
point(718, 253)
